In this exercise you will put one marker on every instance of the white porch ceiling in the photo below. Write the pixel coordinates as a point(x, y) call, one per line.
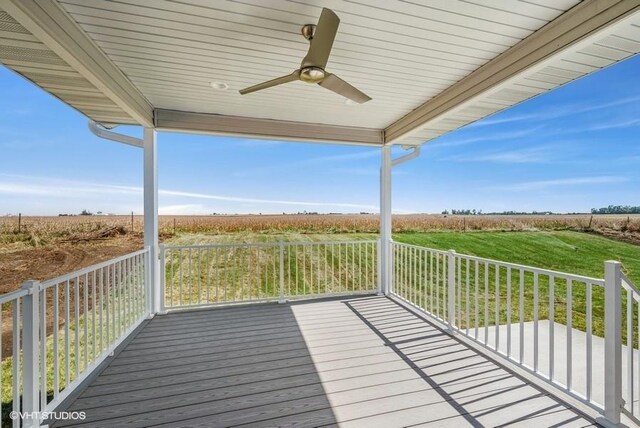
point(172, 51)
point(24, 53)
point(417, 59)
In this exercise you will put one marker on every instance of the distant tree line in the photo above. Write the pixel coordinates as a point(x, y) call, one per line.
point(522, 213)
point(616, 209)
point(611, 209)
point(479, 212)
point(83, 212)
point(462, 212)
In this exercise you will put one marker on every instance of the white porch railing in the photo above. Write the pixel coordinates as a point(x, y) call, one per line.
point(218, 274)
point(11, 352)
point(565, 329)
point(568, 330)
point(63, 328)
point(630, 354)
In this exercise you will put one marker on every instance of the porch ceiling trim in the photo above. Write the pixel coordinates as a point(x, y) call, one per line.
point(51, 24)
point(56, 29)
point(216, 124)
point(583, 20)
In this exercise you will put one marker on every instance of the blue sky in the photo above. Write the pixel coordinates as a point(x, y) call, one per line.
point(566, 151)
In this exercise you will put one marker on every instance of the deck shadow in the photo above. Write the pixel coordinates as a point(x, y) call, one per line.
point(457, 373)
point(210, 374)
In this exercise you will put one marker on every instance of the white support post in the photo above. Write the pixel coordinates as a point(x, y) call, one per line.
point(281, 298)
point(379, 267)
point(31, 353)
point(451, 293)
point(162, 261)
point(147, 281)
point(151, 219)
point(612, 344)
point(386, 277)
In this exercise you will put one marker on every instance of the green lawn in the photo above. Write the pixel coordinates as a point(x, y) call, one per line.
point(572, 252)
point(564, 251)
point(228, 274)
point(253, 237)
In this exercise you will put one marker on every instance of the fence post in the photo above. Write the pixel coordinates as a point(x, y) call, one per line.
point(31, 353)
point(451, 294)
point(281, 298)
point(391, 255)
point(163, 308)
point(612, 343)
point(379, 267)
point(148, 292)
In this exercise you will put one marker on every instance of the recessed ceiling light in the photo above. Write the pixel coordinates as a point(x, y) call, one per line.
point(220, 86)
point(349, 102)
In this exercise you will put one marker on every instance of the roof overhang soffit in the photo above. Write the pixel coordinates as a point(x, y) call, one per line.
point(56, 29)
point(578, 25)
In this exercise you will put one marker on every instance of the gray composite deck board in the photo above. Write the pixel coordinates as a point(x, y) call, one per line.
point(352, 362)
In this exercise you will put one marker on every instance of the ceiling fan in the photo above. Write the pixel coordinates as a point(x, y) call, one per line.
point(311, 69)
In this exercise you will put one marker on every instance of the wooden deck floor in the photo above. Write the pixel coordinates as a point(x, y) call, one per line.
point(364, 362)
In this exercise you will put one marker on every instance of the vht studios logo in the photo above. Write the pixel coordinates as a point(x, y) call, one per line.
point(43, 416)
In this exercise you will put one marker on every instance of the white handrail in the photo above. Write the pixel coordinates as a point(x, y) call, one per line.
point(631, 353)
point(419, 247)
point(629, 284)
point(103, 303)
point(596, 281)
point(485, 299)
point(63, 328)
point(222, 274)
point(12, 295)
point(49, 282)
point(265, 244)
point(575, 277)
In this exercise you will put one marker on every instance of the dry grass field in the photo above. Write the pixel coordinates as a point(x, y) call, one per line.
point(44, 247)
point(37, 231)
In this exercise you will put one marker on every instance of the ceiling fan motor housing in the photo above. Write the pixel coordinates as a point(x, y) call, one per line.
point(312, 74)
point(308, 30)
point(320, 37)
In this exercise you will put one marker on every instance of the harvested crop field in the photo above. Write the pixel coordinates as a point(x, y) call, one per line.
point(44, 247)
point(50, 261)
point(77, 228)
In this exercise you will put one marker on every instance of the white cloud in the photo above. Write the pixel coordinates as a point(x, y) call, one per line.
point(64, 189)
point(557, 112)
point(615, 124)
point(262, 201)
point(497, 136)
point(184, 209)
point(562, 182)
point(531, 155)
point(52, 187)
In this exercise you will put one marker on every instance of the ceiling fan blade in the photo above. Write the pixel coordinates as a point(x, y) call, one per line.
point(339, 86)
point(322, 41)
point(274, 82)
